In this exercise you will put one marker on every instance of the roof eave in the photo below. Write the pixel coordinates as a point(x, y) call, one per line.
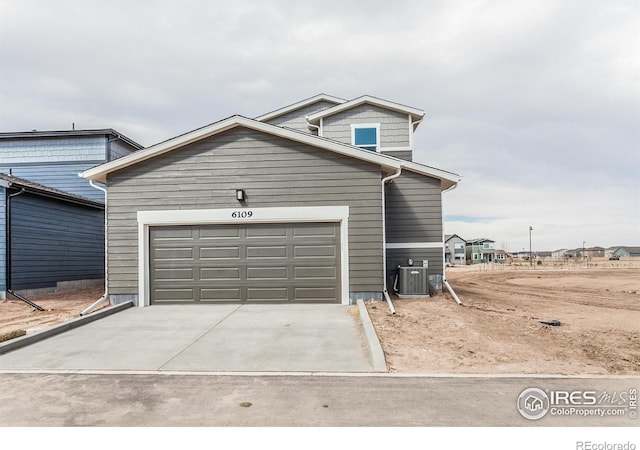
point(99, 173)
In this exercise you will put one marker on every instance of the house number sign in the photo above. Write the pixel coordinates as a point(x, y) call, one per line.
point(245, 214)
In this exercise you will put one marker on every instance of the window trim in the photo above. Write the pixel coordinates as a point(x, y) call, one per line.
point(355, 126)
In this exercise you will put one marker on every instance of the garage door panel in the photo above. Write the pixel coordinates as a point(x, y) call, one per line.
point(246, 263)
point(310, 230)
point(267, 273)
point(173, 274)
point(220, 295)
point(322, 294)
point(270, 252)
point(257, 294)
point(219, 273)
point(171, 234)
point(174, 295)
point(268, 231)
point(219, 232)
point(181, 253)
point(228, 252)
point(314, 251)
point(315, 272)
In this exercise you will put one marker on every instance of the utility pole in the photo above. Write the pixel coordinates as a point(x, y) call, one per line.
point(530, 253)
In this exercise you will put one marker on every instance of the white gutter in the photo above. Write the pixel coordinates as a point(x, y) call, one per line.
point(396, 174)
point(309, 124)
point(106, 256)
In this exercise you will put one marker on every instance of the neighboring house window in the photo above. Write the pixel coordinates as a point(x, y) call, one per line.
point(475, 256)
point(487, 245)
point(458, 245)
point(366, 136)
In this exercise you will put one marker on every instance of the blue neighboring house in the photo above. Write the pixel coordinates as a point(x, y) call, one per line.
point(51, 220)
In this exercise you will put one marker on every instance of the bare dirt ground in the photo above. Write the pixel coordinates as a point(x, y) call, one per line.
point(497, 330)
point(17, 317)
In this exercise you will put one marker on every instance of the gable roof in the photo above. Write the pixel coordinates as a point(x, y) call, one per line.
point(8, 181)
point(448, 180)
point(416, 114)
point(300, 104)
point(451, 236)
point(479, 241)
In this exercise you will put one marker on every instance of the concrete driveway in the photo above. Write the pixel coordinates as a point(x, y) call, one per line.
point(214, 338)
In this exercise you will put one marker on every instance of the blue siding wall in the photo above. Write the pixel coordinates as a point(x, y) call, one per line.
point(3, 243)
point(58, 176)
point(54, 241)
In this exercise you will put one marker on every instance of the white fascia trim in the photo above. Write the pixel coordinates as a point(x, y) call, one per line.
point(300, 104)
point(399, 245)
point(414, 112)
point(99, 173)
point(148, 219)
point(354, 126)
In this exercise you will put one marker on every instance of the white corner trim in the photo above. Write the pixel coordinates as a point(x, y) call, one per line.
point(399, 245)
point(148, 219)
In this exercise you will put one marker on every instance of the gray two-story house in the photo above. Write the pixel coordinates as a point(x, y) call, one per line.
point(51, 220)
point(318, 201)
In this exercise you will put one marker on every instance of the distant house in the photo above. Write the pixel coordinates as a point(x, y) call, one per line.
point(561, 253)
point(54, 158)
point(502, 256)
point(51, 220)
point(480, 251)
point(624, 252)
point(454, 251)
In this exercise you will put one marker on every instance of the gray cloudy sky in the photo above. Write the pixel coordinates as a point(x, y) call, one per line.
point(535, 103)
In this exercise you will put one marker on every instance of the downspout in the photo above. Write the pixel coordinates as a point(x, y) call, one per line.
point(384, 238)
point(8, 250)
point(88, 309)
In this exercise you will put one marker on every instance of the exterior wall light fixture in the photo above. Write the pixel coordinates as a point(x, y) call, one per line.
point(240, 195)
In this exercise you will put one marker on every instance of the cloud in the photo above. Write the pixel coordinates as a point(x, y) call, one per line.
point(534, 103)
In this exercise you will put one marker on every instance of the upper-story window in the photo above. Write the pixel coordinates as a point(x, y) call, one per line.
point(366, 136)
point(487, 245)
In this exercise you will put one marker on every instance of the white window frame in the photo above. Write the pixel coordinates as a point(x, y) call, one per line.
point(355, 126)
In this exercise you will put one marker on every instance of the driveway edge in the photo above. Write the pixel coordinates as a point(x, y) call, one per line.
point(23, 341)
point(376, 355)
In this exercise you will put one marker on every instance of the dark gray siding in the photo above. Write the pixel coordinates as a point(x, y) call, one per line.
point(273, 171)
point(3, 241)
point(414, 214)
point(63, 176)
point(53, 241)
point(297, 119)
point(394, 126)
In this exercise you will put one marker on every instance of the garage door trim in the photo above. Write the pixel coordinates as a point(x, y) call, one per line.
point(148, 219)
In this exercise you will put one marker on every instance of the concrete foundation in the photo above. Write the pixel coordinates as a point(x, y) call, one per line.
point(60, 287)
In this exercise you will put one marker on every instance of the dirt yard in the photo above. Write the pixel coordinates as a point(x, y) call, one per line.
point(497, 330)
point(17, 317)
